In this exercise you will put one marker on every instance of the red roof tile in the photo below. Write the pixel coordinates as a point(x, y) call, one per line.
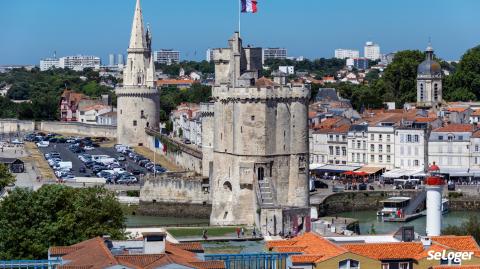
point(381, 251)
point(456, 128)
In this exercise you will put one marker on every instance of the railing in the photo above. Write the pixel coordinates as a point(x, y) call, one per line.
point(37, 264)
point(252, 260)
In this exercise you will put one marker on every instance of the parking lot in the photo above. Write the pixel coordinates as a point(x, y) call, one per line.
point(68, 156)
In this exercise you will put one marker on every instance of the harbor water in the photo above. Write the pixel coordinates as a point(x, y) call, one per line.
point(367, 218)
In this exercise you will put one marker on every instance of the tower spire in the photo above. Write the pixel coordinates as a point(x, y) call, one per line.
point(137, 38)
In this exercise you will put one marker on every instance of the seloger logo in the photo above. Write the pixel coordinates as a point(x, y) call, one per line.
point(454, 256)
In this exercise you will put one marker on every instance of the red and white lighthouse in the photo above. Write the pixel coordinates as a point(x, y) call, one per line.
point(434, 184)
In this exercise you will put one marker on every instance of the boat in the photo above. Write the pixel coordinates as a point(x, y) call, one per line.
point(393, 204)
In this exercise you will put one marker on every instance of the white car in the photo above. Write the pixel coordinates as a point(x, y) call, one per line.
point(88, 148)
point(43, 144)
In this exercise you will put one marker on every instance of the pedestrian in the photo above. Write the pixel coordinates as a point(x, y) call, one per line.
point(204, 235)
point(243, 232)
point(238, 232)
point(254, 232)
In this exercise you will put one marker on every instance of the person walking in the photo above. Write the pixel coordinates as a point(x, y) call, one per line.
point(254, 232)
point(243, 232)
point(204, 235)
point(238, 232)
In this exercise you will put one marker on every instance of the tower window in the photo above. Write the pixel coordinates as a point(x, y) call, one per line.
point(435, 92)
point(120, 112)
point(142, 114)
point(134, 123)
point(252, 118)
point(422, 96)
point(148, 124)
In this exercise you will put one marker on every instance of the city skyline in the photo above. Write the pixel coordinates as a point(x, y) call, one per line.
point(101, 28)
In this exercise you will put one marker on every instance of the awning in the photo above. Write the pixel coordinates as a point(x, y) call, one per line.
point(314, 166)
point(370, 169)
point(332, 168)
point(396, 173)
point(458, 172)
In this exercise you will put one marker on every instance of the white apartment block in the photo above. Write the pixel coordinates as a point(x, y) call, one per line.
point(411, 149)
point(346, 54)
point(209, 56)
point(449, 146)
point(289, 70)
point(475, 151)
point(381, 146)
point(372, 51)
point(80, 62)
point(274, 53)
point(48, 63)
point(166, 56)
point(318, 147)
point(357, 145)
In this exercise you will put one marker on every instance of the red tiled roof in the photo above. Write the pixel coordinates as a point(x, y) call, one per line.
point(456, 128)
point(63, 250)
point(457, 109)
point(265, 82)
point(476, 112)
point(192, 246)
point(383, 251)
point(162, 82)
point(91, 253)
point(460, 243)
point(422, 119)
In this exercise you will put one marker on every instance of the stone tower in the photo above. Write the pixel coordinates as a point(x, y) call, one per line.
point(260, 145)
point(138, 101)
point(429, 82)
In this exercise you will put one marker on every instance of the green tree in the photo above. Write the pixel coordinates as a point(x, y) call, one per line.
point(466, 78)
point(6, 178)
point(470, 227)
point(55, 215)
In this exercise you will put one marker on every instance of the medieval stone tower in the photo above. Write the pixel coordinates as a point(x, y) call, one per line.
point(138, 100)
point(429, 82)
point(259, 163)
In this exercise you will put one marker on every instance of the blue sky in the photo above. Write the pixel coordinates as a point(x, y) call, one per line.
point(32, 29)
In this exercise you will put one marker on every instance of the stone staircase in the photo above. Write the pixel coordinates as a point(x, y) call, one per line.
point(266, 192)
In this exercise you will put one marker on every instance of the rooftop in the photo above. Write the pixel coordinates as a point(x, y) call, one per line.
point(459, 128)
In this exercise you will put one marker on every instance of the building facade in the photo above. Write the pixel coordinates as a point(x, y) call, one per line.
point(381, 147)
point(449, 146)
point(260, 143)
point(411, 148)
point(49, 63)
point(138, 101)
point(274, 53)
point(166, 56)
point(372, 51)
point(80, 62)
point(346, 53)
point(357, 139)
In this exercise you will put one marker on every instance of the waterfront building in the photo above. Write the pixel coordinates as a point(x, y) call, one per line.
point(138, 101)
point(372, 51)
point(357, 139)
point(381, 147)
point(346, 54)
point(411, 148)
point(449, 147)
point(166, 56)
point(49, 63)
point(260, 145)
point(274, 53)
point(429, 82)
point(79, 62)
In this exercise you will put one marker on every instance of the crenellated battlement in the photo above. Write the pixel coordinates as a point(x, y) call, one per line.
point(227, 93)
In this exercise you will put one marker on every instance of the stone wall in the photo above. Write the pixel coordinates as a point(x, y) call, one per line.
point(178, 210)
point(357, 201)
point(173, 187)
point(183, 155)
point(78, 128)
point(360, 201)
point(14, 126)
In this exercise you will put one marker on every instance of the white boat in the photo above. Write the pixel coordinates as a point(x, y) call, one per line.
point(393, 204)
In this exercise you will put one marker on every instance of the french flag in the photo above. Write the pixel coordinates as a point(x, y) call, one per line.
point(249, 6)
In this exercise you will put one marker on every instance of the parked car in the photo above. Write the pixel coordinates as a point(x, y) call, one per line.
point(82, 169)
point(136, 172)
point(127, 180)
point(43, 144)
point(121, 158)
point(143, 162)
point(88, 148)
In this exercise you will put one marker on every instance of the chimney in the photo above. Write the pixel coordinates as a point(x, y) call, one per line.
point(426, 241)
point(154, 242)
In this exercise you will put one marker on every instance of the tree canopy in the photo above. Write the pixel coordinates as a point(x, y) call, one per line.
point(171, 97)
point(6, 178)
point(55, 215)
point(470, 227)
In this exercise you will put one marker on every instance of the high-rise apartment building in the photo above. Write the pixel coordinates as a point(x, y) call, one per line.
point(372, 51)
point(79, 62)
point(166, 56)
point(48, 63)
point(346, 54)
point(111, 60)
point(274, 53)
